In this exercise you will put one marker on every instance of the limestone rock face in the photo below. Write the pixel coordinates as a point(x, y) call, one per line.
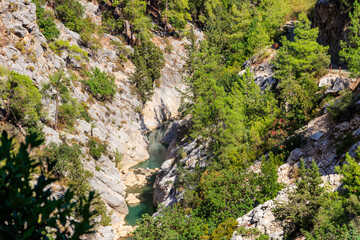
point(165, 102)
point(188, 155)
point(263, 71)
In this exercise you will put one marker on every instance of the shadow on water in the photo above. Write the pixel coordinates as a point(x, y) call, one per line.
point(157, 152)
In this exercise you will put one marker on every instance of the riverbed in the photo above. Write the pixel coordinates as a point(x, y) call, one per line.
point(157, 152)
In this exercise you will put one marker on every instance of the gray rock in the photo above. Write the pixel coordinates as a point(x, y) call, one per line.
point(295, 156)
point(171, 133)
point(105, 233)
point(356, 133)
point(316, 136)
point(338, 85)
point(353, 149)
point(326, 81)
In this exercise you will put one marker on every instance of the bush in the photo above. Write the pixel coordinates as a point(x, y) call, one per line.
point(231, 192)
point(60, 45)
point(101, 85)
point(225, 230)
point(342, 108)
point(96, 148)
point(22, 97)
point(71, 13)
point(45, 21)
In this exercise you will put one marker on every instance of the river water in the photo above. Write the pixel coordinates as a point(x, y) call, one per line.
point(157, 152)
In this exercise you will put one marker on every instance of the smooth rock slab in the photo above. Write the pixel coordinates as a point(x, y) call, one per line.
point(132, 199)
point(316, 136)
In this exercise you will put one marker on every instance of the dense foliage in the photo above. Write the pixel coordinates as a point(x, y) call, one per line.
point(21, 99)
point(297, 64)
point(101, 85)
point(45, 21)
point(351, 51)
point(24, 216)
point(148, 60)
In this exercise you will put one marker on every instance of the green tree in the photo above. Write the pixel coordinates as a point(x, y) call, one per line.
point(297, 64)
point(148, 60)
point(21, 97)
point(176, 12)
point(351, 51)
point(135, 12)
point(304, 203)
point(60, 85)
point(351, 175)
point(101, 85)
point(28, 210)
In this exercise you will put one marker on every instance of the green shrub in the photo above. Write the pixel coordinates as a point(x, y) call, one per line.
point(225, 230)
point(22, 97)
point(45, 21)
point(101, 85)
point(60, 45)
point(68, 114)
point(96, 148)
point(118, 158)
point(342, 108)
point(71, 13)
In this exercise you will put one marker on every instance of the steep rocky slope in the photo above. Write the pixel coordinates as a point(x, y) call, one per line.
point(118, 123)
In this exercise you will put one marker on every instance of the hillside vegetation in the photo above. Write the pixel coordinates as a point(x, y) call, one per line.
point(240, 124)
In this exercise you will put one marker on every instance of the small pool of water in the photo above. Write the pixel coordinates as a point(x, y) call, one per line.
point(157, 152)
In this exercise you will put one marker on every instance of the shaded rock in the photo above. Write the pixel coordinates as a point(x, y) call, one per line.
point(338, 85)
point(353, 149)
point(171, 133)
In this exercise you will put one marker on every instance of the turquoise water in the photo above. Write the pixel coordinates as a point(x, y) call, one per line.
point(157, 152)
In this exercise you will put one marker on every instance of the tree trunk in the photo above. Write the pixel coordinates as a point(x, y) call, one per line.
point(56, 107)
point(7, 110)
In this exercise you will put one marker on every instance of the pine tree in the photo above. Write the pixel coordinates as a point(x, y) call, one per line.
point(61, 85)
point(351, 51)
point(304, 202)
point(296, 66)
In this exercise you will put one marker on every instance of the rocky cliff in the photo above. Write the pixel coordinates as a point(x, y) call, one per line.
point(118, 123)
point(332, 24)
